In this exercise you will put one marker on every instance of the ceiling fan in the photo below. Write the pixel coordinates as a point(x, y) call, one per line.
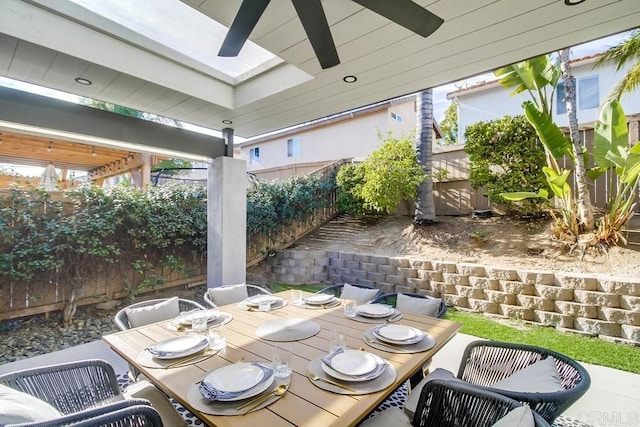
point(403, 12)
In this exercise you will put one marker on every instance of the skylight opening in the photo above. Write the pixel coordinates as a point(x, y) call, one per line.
point(181, 29)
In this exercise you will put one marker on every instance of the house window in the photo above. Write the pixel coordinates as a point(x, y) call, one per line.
point(588, 94)
point(254, 155)
point(396, 117)
point(293, 147)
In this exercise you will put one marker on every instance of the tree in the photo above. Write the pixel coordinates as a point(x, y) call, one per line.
point(449, 125)
point(626, 51)
point(131, 112)
point(425, 206)
point(583, 200)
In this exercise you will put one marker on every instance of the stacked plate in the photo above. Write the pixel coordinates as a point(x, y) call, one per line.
point(374, 310)
point(186, 318)
point(319, 299)
point(175, 348)
point(398, 334)
point(236, 382)
point(255, 300)
point(353, 365)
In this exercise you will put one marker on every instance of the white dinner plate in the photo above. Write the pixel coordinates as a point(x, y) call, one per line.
point(255, 300)
point(178, 347)
point(354, 362)
point(374, 310)
point(187, 317)
point(237, 377)
point(337, 375)
point(398, 334)
point(318, 299)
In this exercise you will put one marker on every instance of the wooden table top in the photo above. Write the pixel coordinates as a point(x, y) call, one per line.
point(304, 404)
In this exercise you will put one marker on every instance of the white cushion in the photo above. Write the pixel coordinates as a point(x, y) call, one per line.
point(419, 306)
point(18, 407)
point(539, 377)
point(412, 400)
point(518, 417)
point(164, 310)
point(145, 390)
point(359, 295)
point(225, 295)
point(387, 418)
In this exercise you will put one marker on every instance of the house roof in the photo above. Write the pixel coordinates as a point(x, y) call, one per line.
point(326, 121)
point(128, 63)
point(584, 60)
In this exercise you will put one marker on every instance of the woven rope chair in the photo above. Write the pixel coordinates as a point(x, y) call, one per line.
point(391, 298)
point(122, 322)
point(453, 404)
point(78, 390)
point(480, 356)
point(251, 291)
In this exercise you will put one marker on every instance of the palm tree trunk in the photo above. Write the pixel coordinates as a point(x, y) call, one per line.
point(583, 202)
point(425, 206)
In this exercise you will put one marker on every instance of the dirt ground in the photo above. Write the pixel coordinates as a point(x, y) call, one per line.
point(495, 241)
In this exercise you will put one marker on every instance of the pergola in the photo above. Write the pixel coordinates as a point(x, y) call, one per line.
point(161, 57)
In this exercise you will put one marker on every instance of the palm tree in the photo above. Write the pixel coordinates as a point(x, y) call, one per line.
point(626, 51)
point(583, 199)
point(425, 207)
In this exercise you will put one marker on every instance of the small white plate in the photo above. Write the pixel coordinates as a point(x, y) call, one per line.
point(255, 300)
point(398, 334)
point(178, 347)
point(237, 377)
point(354, 362)
point(187, 318)
point(318, 299)
point(337, 375)
point(374, 310)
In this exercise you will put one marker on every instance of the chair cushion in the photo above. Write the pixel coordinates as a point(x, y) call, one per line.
point(359, 295)
point(518, 417)
point(225, 295)
point(143, 389)
point(164, 310)
point(18, 407)
point(419, 306)
point(412, 400)
point(389, 417)
point(539, 377)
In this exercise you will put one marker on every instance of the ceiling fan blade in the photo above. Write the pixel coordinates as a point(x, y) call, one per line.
point(315, 24)
point(406, 13)
point(244, 22)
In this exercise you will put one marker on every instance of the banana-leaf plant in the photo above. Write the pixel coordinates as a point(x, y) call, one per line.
point(611, 152)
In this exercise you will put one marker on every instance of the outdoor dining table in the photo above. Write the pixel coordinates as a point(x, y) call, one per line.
point(305, 403)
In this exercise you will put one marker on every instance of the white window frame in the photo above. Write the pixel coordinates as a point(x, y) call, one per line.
point(581, 98)
point(293, 147)
point(254, 155)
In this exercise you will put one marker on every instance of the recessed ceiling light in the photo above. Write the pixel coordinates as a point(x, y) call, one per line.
point(573, 2)
point(83, 81)
point(350, 79)
point(227, 122)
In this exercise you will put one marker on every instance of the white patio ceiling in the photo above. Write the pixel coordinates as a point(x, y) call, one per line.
point(50, 43)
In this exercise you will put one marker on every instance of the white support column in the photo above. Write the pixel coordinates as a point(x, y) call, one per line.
point(226, 222)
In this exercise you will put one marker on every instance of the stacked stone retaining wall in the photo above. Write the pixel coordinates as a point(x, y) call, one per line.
point(592, 304)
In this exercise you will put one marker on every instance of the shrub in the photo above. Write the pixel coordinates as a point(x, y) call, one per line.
point(505, 156)
point(350, 179)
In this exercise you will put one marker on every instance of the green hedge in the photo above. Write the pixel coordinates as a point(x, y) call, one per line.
point(93, 228)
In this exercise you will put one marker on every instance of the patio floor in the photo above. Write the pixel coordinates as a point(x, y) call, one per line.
point(612, 400)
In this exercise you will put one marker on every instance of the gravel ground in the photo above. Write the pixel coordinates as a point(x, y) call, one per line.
point(36, 335)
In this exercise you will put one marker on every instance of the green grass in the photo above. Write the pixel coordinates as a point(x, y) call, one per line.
point(579, 347)
point(582, 348)
point(279, 287)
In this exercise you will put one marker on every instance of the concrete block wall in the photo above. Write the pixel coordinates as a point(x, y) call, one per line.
point(598, 305)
